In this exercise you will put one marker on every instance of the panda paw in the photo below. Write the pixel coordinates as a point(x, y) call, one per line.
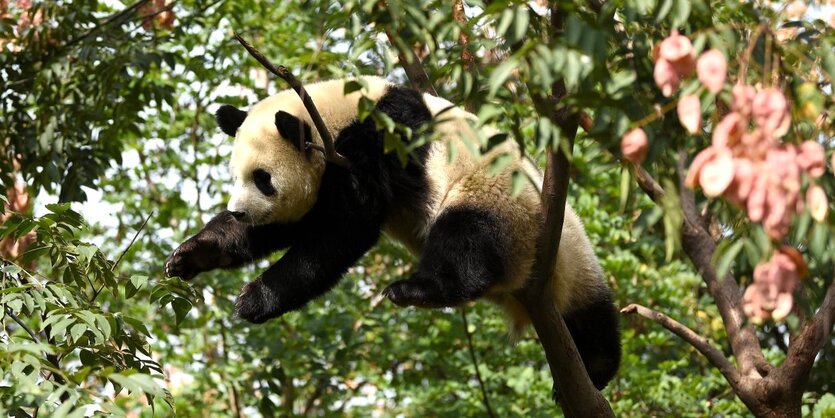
point(182, 263)
point(413, 292)
point(257, 303)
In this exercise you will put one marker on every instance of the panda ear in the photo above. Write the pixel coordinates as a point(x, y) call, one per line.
point(229, 118)
point(294, 130)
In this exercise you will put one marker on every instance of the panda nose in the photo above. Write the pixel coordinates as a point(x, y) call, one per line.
point(238, 215)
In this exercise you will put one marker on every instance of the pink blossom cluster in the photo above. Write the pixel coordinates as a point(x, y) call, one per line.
point(770, 295)
point(675, 60)
point(155, 13)
point(19, 202)
point(748, 165)
point(23, 22)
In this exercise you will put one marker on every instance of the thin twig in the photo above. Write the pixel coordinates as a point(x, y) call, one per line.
point(130, 9)
point(135, 236)
point(485, 399)
point(691, 337)
point(23, 325)
point(281, 71)
point(118, 260)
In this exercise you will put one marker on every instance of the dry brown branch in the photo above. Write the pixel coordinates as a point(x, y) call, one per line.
point(281, 71)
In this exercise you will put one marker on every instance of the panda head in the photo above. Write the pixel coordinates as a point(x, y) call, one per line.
point(276, 176)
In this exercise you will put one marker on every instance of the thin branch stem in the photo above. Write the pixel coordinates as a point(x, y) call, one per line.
point(135, 236)
point(118, 260)
point(691, 337)
point(281, 71)
point(485, 399)
point(23, 325)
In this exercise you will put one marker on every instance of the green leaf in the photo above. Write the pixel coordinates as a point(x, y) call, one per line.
point(500, 75)
point(727, 257)
point(77, 331)
point(181, 307)
point(133, 285)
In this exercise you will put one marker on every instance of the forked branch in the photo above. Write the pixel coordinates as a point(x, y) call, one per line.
point(327, 139)
point(697, 341)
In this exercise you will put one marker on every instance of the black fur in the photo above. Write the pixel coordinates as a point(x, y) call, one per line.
point(465, 254)
point(596, 332)
point(261, 178)
point(344, 223)
point(293, 129)
point(229, 119)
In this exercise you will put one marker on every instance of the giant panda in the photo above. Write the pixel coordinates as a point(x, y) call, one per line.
point(472, 238)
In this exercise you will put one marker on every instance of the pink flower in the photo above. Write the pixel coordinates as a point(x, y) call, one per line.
point(744, 174)
point(634, 146)
point(817, 202)
point(770, 294)
point(712, 68)
point(666, 77)
point(771, 112)
point(674, 60)
point(728, 132)
point(690, 113)
point(701, 159)
point(756, 198)
point(812, 158)
point(679, 52)
point(743, 99)
point(717, 173)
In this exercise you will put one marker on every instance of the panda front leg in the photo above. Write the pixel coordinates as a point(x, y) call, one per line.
point(311, 267)
point(465, 255)
point(225, 242)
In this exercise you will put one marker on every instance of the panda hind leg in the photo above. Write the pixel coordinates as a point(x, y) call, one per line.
point(464, 256)
point(595, 330)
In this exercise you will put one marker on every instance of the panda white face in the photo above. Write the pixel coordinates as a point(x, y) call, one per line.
point(276, 179)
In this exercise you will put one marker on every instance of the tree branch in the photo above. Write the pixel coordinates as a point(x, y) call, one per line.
point(23, 325)
point(716, 358)
point(281, 71)
point(700, 247)
point(805, 347)
point(578, 394)
point(413, 67)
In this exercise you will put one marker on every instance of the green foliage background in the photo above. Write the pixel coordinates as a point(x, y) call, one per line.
point(95, 105)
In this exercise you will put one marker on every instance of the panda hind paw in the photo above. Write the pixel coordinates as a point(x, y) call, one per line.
point(412, 292)
point(257, 303)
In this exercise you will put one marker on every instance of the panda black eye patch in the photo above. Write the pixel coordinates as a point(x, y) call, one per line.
point(262, 182)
